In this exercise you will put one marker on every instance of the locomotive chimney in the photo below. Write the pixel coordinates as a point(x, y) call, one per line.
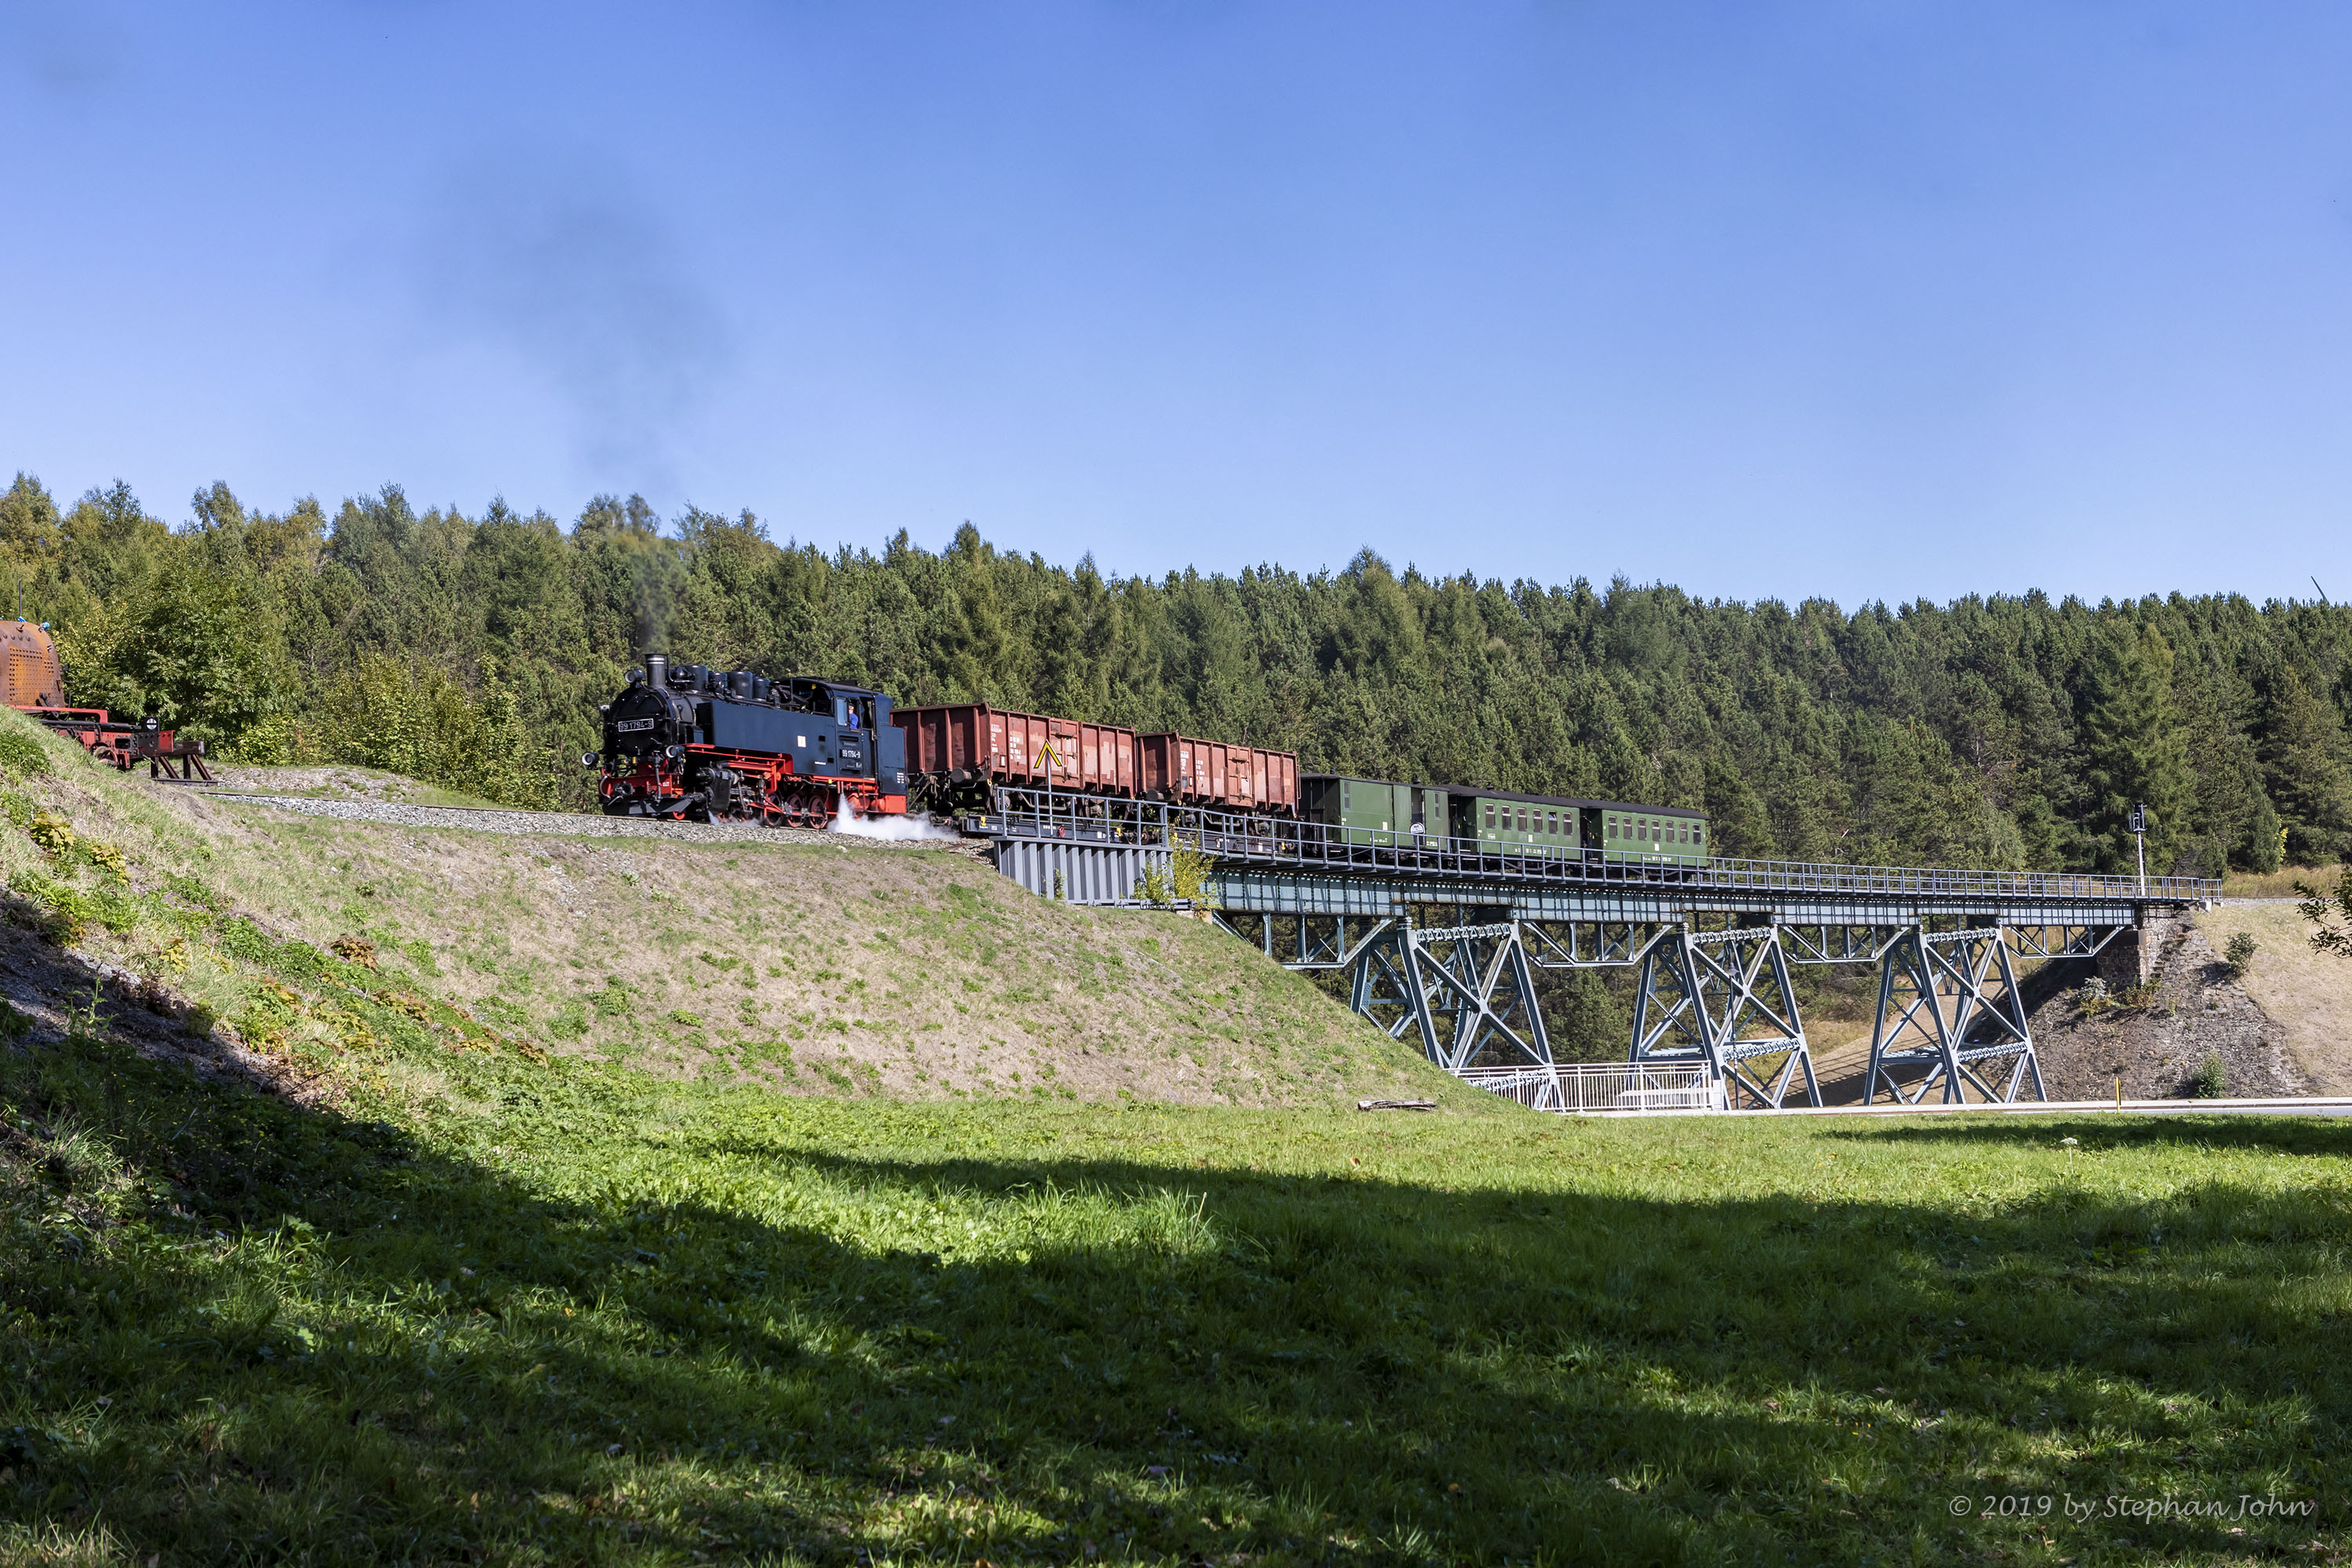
point(656, 671)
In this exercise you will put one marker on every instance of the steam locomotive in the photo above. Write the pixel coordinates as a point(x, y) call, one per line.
point(709, 745)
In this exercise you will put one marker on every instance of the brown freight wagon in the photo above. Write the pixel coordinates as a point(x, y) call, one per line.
point(1186, 772)
point(959, 750)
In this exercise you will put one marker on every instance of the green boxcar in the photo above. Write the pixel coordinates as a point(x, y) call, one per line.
point(1377, 812)
point(1650, 835)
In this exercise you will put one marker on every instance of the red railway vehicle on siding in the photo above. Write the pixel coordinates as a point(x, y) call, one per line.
point(1185, 771)
point(958, 751)
point(34, 678)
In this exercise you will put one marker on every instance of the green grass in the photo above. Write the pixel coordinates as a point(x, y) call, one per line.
point(457, 1298)
point(564, 1314)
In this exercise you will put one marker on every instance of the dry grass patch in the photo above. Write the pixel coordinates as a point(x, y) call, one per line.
point(2308, 993)
point(2278, 884)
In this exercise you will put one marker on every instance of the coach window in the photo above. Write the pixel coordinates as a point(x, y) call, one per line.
point(1490, 816)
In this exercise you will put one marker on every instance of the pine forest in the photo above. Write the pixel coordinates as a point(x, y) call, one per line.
point(472, 651)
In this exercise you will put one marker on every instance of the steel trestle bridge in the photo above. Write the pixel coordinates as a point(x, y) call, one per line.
point(1442, 939)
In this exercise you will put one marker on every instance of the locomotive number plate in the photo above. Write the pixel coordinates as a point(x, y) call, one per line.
point(625, 725)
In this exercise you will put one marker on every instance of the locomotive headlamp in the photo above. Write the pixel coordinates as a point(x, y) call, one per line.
point(672, 752)
point(587, 759)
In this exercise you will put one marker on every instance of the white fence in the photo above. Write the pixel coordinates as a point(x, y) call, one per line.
point(1620, 1087)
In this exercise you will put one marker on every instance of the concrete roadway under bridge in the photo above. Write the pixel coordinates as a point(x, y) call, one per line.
point(1440, 939)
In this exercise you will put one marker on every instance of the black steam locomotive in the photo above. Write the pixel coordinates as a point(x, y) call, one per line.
point(709, 745)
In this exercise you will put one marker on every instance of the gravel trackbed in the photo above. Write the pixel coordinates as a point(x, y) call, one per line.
point(576, 825)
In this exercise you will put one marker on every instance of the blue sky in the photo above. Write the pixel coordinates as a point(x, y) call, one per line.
point(1863, 300)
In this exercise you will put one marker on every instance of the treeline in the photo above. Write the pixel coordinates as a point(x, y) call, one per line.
point(473, 651)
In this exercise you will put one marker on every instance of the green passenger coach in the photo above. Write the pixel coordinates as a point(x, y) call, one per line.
point(1386, 814)
point(1377, 812)
point(1517, 822)
point(1650, 835)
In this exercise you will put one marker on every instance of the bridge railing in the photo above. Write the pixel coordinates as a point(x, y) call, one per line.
point(1241, 839)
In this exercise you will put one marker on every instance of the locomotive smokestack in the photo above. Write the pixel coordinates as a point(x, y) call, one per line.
point(656, 671)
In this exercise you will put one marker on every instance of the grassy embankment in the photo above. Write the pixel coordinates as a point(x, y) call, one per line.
point(907, 971)
point(458, 1297)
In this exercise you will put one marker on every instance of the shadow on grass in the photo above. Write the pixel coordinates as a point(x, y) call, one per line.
point(320, 1343)
point(2183, 1129)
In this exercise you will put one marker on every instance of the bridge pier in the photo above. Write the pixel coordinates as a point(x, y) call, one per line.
point(2130, 959)
point(1723, 1001)
point(1948, 1003)
point(1467, 991)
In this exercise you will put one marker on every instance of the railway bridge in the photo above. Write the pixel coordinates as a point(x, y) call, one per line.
point(1440, 939)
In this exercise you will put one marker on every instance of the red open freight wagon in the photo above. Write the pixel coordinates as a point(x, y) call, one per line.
point(961, 749)
point(1186, 772)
